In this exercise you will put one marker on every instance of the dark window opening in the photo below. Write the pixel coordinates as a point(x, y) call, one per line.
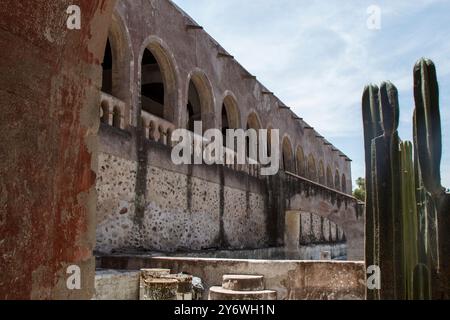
point(107, 69)
point(225, 124)
point(193, 106)
point(152, 86)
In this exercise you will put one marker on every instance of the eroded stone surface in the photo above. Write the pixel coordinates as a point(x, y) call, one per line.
point(169, 224)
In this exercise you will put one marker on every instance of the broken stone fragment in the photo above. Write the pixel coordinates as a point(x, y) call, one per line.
point(154, 273)
point(153, 287)
point(158, 289)
point(184, 282)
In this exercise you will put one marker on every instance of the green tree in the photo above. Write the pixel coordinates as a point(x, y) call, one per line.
point(360, 192)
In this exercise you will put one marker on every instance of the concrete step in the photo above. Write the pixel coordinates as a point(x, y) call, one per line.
point(243, 282)
point(221, 294)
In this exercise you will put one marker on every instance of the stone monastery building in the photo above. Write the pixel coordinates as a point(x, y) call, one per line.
point(162, 71)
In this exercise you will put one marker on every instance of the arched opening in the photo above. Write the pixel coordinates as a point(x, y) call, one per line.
point(252, 123)
point(337, 181)
point(330, 180)
point(287, 161)
point(343, 184)
point(152, 85)
point(200, 102)
point(230, 116)
point(312, 169)
point(158, 81)
point(116, 67)
point(321, 173)
point(107, 69)
point(301, 165)
point(194, 108)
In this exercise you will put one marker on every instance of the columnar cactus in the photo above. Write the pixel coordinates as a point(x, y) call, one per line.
point(407, 209)
point(372, 129)
point(428, 138)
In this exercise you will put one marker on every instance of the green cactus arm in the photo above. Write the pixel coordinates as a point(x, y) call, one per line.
point(389, 108)
point(428, 124)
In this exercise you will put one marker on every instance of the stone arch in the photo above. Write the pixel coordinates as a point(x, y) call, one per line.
point(312, 169)
point(300, 160)
point(116, 77)
point(330, 180)
point(343, 183)
point(321, 173)
point(168, 72)
point(287, 155)
point(337, 181)
point(230, 111)
point(200, 101)
point(253, 122)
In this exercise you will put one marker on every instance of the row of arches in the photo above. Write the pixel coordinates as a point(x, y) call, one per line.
point(309, 168)
point(159, 91)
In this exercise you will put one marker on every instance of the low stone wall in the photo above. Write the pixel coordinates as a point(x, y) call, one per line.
point(310, 252)
point(116, 285)
point(293, 280)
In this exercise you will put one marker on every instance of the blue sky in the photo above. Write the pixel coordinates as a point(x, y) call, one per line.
point(317, 56)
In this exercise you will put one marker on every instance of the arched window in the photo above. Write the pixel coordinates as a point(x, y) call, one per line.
point(116, 69)
point(107, 68)
point(321, 173)
point(194, 107)
point(337, 181)
point(301, 166)
point(152, 85)
point(330, 180)
point(200, 102)
point(344, 183)
point(253, 123)
point(312, 170)
point(230, 116)
point(287, 155)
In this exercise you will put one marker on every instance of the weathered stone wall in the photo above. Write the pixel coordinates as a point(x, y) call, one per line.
point(116, 285)
point(49, 93)
point(338, 251)
point(168, 224)
point(315, 229)
point(145, 202)
point(182, 208)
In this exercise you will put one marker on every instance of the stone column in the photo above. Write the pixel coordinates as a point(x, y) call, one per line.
point(292, 234)
point(50, 78)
